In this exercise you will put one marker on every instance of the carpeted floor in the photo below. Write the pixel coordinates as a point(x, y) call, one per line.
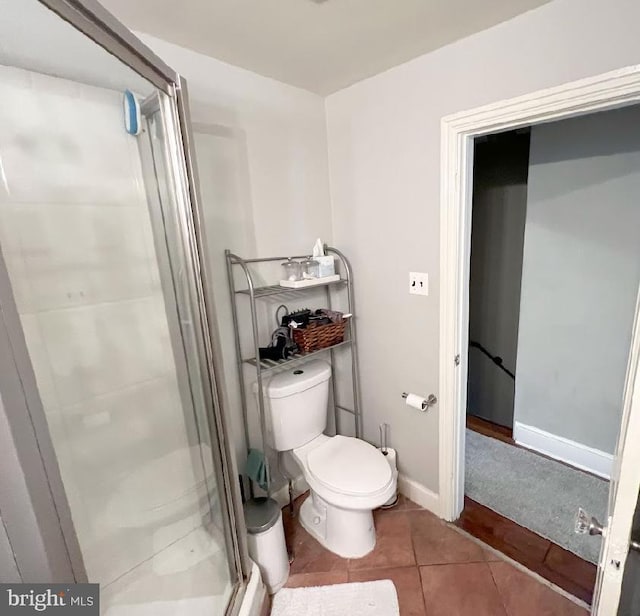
point(541, 494)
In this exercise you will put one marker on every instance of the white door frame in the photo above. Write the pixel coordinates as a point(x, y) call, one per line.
point(608, 91)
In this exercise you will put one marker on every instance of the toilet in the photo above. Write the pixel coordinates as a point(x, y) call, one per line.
point(348, 477)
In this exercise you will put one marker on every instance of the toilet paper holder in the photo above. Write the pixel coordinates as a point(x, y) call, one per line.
point(430, 400)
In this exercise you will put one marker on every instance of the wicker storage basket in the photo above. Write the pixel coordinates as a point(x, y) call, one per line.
point(316, 337)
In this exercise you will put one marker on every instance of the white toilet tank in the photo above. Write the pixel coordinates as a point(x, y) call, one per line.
point(297, 401)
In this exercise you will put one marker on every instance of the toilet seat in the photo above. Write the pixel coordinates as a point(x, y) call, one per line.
point(349, 466)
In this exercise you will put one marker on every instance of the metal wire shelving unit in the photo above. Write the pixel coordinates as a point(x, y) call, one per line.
point(254, 293)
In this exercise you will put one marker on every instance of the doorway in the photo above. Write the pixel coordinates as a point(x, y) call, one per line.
point(551, 221)
point(562, 102)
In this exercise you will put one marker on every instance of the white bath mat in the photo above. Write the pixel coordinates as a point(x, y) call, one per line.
point(356, 599)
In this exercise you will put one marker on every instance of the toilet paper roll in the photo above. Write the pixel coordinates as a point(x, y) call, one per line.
point(391, 457)
point(416, 401)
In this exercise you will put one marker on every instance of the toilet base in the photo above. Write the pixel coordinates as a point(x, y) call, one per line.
point(347, 533)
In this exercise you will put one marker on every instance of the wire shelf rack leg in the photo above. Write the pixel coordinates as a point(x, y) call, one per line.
point(354, 340)
point(231, 260)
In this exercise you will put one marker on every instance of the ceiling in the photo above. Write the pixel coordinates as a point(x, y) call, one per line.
point(321, 46)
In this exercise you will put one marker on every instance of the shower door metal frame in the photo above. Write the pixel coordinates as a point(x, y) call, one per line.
point(186, 244)
point(47, 547)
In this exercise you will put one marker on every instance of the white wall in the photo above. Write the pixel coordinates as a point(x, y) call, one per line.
point(580, 275)
point(384, 153)
point(261, 151)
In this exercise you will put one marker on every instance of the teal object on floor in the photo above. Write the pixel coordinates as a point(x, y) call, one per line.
point(256, 468)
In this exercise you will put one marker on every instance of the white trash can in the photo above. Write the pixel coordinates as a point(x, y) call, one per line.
point(266, 543)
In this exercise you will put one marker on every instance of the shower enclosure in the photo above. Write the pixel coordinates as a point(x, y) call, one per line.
point(107, 366)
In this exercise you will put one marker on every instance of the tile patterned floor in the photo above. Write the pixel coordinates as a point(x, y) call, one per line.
point(437, 570)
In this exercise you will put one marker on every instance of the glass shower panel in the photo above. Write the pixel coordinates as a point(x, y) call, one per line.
point(108, 332)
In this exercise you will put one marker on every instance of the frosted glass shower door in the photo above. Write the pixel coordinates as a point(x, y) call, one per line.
point(98, 266)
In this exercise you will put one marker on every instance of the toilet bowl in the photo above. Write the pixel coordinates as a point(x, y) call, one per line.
point(348, 477)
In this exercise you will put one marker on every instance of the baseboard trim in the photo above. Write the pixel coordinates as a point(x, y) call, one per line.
point(576, 454)
point(419, 494)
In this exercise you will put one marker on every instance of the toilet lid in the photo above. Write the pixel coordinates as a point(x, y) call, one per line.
point(350, 466)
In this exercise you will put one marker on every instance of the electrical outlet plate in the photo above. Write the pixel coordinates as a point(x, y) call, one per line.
point(418, 283)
